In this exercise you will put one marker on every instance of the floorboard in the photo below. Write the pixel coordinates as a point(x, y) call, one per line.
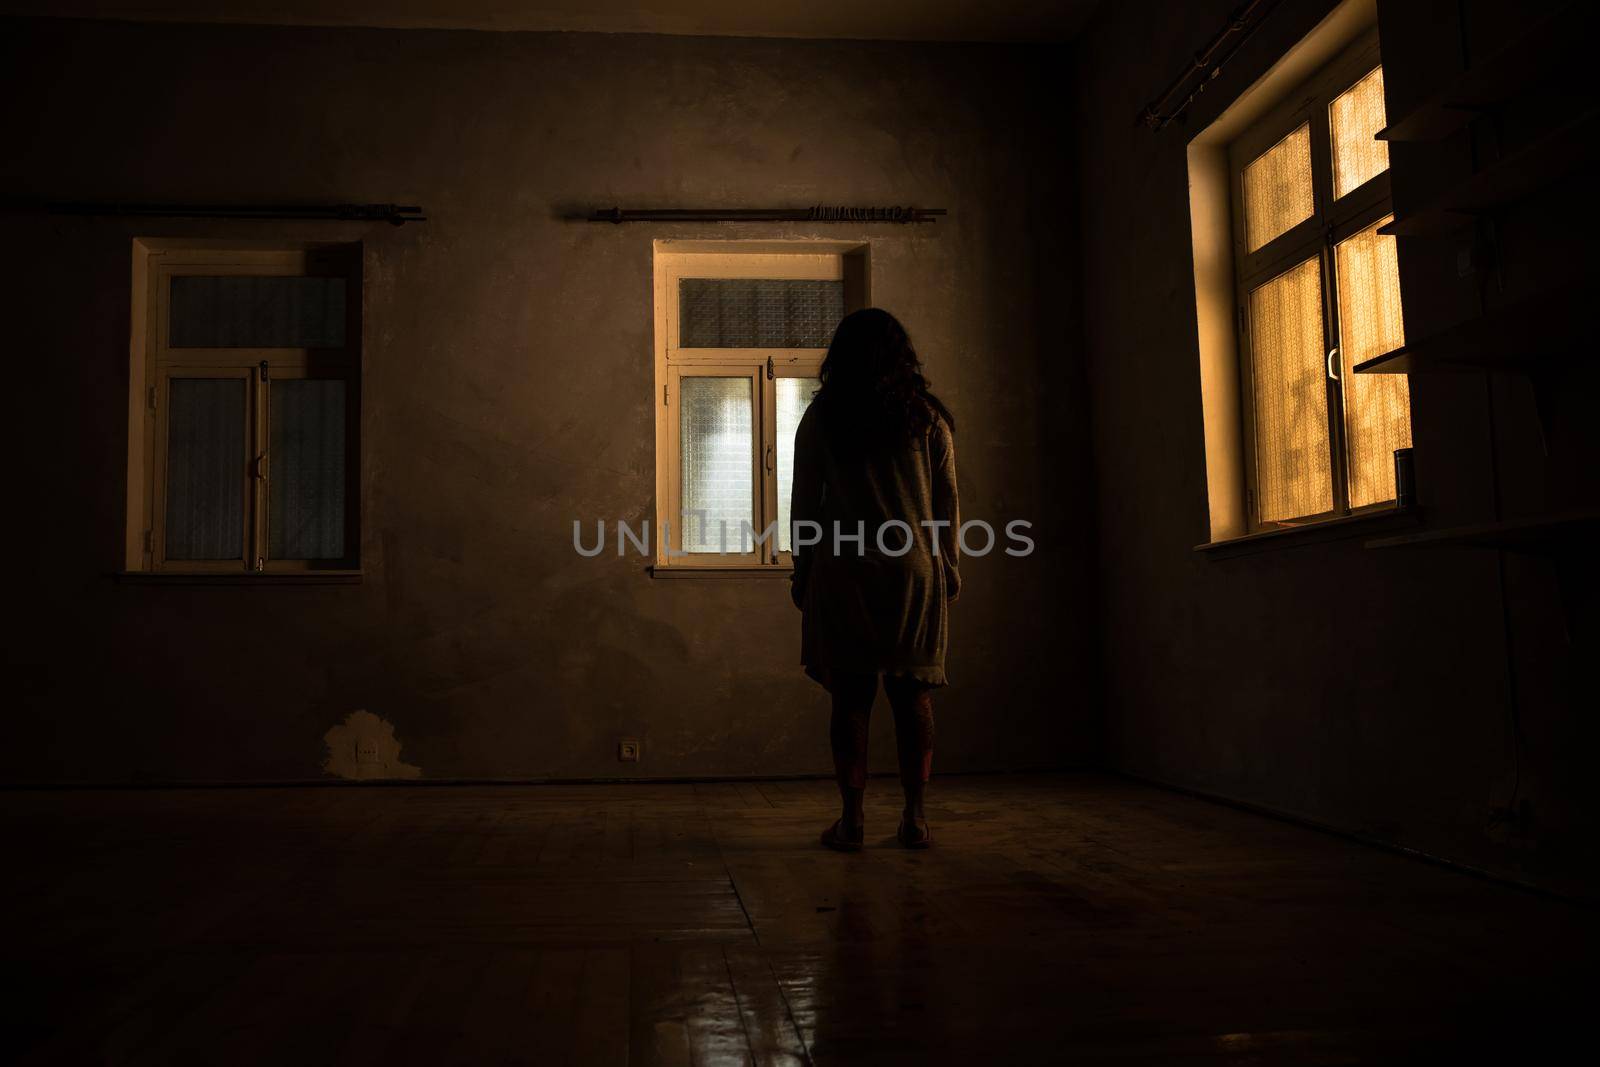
point(1070, 918)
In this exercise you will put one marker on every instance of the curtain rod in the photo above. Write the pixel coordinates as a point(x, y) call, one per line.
point(815, 213)
point(394, 214)
point(1206, 63)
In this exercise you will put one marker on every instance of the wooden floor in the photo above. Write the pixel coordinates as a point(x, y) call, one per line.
point(1059, 919)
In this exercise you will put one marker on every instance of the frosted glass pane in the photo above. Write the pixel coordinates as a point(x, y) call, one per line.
point(1355, 117)
point(758, 312)
point(794, 396)
point(1294, 475)
point(716, 448)
point(205, 468)
point(1377, 407)
point(260, 312)
point(305, 511)
point(1277, 189)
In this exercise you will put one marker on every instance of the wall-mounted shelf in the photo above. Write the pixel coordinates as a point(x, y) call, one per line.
point(1521, 337)
point(1539, 533)
point(1516, 177)
point(1554, 46)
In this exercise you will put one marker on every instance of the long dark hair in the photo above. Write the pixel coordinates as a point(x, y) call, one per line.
point(873, 393)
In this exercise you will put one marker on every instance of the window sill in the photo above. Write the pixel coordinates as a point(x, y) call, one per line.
point(239, 578)
point(719, 572)
point(1342, 528)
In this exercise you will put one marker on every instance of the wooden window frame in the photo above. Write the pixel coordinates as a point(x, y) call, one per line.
point(674, 262)
point(1331, 222)
point(154, 363)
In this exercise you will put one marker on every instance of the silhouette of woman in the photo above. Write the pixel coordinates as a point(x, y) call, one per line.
point(875, 471)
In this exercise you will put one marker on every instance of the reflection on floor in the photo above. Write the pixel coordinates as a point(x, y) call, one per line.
point(1075, 918)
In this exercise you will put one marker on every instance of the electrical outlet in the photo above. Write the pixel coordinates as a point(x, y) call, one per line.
point(628, 750)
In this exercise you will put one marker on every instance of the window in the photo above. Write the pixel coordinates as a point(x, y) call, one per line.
point(1318, 292)
point(245, 394)
point(740, 339)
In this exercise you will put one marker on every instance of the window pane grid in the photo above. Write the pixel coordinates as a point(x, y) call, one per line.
point(1278, 189)
point(1377, 407)
point(1305, 465)
point(716, 427)
point(739, 344)
point(758, 312)
point(253, 465)
point(793, 397)
point(267, 311)
point(1354, 119)
point(306, 509)
point(1294, 476)
point(205, 469)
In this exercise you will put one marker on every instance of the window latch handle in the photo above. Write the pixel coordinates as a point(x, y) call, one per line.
point(261, 467)
point(771, 463)
point(1333, 371)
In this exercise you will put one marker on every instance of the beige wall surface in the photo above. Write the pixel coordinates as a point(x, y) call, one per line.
point(507, 391)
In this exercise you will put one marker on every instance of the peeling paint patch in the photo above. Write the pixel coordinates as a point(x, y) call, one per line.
point(364, 746)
